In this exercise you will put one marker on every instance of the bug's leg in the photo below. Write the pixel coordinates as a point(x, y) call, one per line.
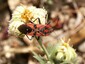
point(46, 33)
point(46, 17)
point(31, 21)
point(48, 23)
point(30, 38)
point(38, 20)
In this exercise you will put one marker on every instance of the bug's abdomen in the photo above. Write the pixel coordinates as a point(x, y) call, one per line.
point(44, 30)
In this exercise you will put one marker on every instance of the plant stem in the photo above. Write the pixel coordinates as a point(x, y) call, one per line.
point(43, 47)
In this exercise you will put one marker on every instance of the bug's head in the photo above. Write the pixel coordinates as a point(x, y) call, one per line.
point(24, 29)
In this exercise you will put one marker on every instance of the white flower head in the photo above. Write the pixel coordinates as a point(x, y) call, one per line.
point(30, 13)
point(23, 15)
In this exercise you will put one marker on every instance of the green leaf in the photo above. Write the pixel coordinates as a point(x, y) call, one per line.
point(39, 58)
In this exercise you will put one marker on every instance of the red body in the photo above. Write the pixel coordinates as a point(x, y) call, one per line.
point(39, 29)
point(57, 24)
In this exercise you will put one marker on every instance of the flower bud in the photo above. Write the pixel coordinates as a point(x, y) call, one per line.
point(63, 53)
point(59, 56)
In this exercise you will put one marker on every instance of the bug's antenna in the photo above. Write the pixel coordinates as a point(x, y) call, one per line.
point(29, 38)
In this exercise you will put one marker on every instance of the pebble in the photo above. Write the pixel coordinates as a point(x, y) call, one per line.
point(81, 47)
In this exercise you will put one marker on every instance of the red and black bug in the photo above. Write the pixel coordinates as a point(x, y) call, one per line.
point(35, 29)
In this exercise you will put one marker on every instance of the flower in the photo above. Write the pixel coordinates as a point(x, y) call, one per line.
point(30, 13)
point(22, 15)
point(63, 53)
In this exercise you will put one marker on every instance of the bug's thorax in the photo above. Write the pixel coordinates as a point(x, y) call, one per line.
point(24, 29)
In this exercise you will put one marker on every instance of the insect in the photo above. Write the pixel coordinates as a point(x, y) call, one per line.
point(35, 29)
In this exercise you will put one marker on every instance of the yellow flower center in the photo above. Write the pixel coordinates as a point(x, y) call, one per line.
point(65, 44)
point(26, 15)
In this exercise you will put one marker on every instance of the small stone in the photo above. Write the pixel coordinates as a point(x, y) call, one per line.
point(83, 56)
point(81, 47)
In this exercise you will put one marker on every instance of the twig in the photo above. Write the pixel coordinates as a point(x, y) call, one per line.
point(28, 49)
